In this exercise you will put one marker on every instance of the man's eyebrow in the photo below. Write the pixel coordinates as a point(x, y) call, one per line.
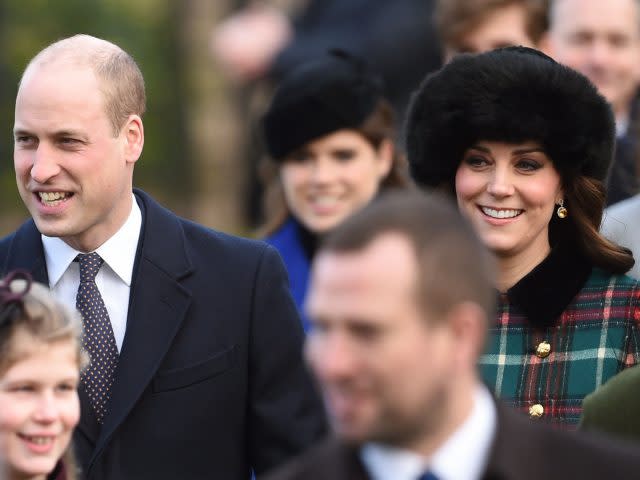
point(59, 133)
point(20, 131)
point(68, 133)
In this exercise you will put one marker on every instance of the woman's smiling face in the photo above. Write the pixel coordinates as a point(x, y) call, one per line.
point(332, 177)
point(509, 192)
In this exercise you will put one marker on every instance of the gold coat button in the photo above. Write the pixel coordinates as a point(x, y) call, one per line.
point(543, 349)
point(536, 411)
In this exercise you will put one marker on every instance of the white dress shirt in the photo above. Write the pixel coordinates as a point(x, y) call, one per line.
point(463, 456)
point(622, 125)
point(113, 279)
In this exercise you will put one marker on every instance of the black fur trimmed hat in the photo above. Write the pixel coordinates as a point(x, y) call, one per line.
point(321, 96)
point(513, 94)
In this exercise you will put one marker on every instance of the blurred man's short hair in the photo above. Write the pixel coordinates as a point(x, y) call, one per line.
point(454, 266)
point(455, 20)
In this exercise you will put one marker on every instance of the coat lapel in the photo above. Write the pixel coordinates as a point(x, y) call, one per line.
point(88, 424)
point(514, 453)
point(26, 251)
point(158, 304)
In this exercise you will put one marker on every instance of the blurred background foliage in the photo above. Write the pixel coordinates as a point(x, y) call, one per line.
point(188, 161)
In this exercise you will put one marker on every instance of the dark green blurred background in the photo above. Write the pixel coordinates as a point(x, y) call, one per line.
point(192, 160)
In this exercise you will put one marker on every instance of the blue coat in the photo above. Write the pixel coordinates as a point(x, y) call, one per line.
point(288, 242)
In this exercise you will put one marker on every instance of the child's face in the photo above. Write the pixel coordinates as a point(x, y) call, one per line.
point(39, 406)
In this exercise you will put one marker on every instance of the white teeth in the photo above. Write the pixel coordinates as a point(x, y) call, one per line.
point(325, 201)
point(39, 440)
point(500, 213)
point(52, 198)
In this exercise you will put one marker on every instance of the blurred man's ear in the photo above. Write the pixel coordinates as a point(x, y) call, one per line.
point(469, 326)
point(545, 44)
point(385, 157)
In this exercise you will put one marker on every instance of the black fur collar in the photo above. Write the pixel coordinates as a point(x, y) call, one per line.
point(544, 293)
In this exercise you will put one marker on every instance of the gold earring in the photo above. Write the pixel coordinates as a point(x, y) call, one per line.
point(562, 210)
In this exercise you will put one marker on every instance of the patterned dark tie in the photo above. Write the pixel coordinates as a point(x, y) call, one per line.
point(97, 338)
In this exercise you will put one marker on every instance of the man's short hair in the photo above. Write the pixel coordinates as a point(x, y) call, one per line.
point(455, 18)
point(121, 80)
point(453, 264)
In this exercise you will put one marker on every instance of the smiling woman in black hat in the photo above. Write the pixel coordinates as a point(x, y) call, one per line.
point(330, 138)
point(524, 145)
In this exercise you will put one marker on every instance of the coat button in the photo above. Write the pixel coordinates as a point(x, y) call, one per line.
point(536, 411)
point(543, 349)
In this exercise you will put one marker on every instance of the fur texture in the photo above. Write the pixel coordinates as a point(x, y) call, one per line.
point(513, 94)
point(321, 96)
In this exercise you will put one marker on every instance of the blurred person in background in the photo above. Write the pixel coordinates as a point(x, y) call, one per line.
point(621, 224)
point(614, 408)
point(474, 26)
point(400, 300)
point(524, 144)
point(601, 39)
point(330, 137)
point(259, 45)
point(261, 41)
point(40, 363)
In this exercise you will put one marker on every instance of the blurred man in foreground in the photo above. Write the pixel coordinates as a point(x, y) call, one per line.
point(400, 299)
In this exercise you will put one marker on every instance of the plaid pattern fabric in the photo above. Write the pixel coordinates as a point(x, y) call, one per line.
point(595, 337)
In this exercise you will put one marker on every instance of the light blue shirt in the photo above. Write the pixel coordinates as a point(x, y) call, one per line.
point(463, 456)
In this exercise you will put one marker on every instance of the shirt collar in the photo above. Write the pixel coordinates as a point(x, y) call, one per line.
point(622, 125)
point(474, 437)
point(384, 462)
point(116, 251)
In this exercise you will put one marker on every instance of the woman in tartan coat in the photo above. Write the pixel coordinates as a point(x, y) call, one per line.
point(524, 144)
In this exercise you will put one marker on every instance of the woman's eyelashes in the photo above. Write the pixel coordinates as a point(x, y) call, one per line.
point(528, 165)
point(343, 155)
point(521, 164)
point(300, 156)
point(476, 161)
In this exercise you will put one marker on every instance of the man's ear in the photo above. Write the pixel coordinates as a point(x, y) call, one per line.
point(133, 131)
point(545, 44)
point(469, 324)
point(385, 153)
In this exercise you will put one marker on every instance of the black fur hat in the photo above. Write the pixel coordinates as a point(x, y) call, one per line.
point(321, 96)
point(513, 94)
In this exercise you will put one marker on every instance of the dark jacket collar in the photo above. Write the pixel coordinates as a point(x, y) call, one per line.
point(58, 473)
point(308, 240)
point(510, 456)
point(544, 293)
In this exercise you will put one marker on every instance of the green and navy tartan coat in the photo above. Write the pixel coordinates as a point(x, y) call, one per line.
point(590, 318)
